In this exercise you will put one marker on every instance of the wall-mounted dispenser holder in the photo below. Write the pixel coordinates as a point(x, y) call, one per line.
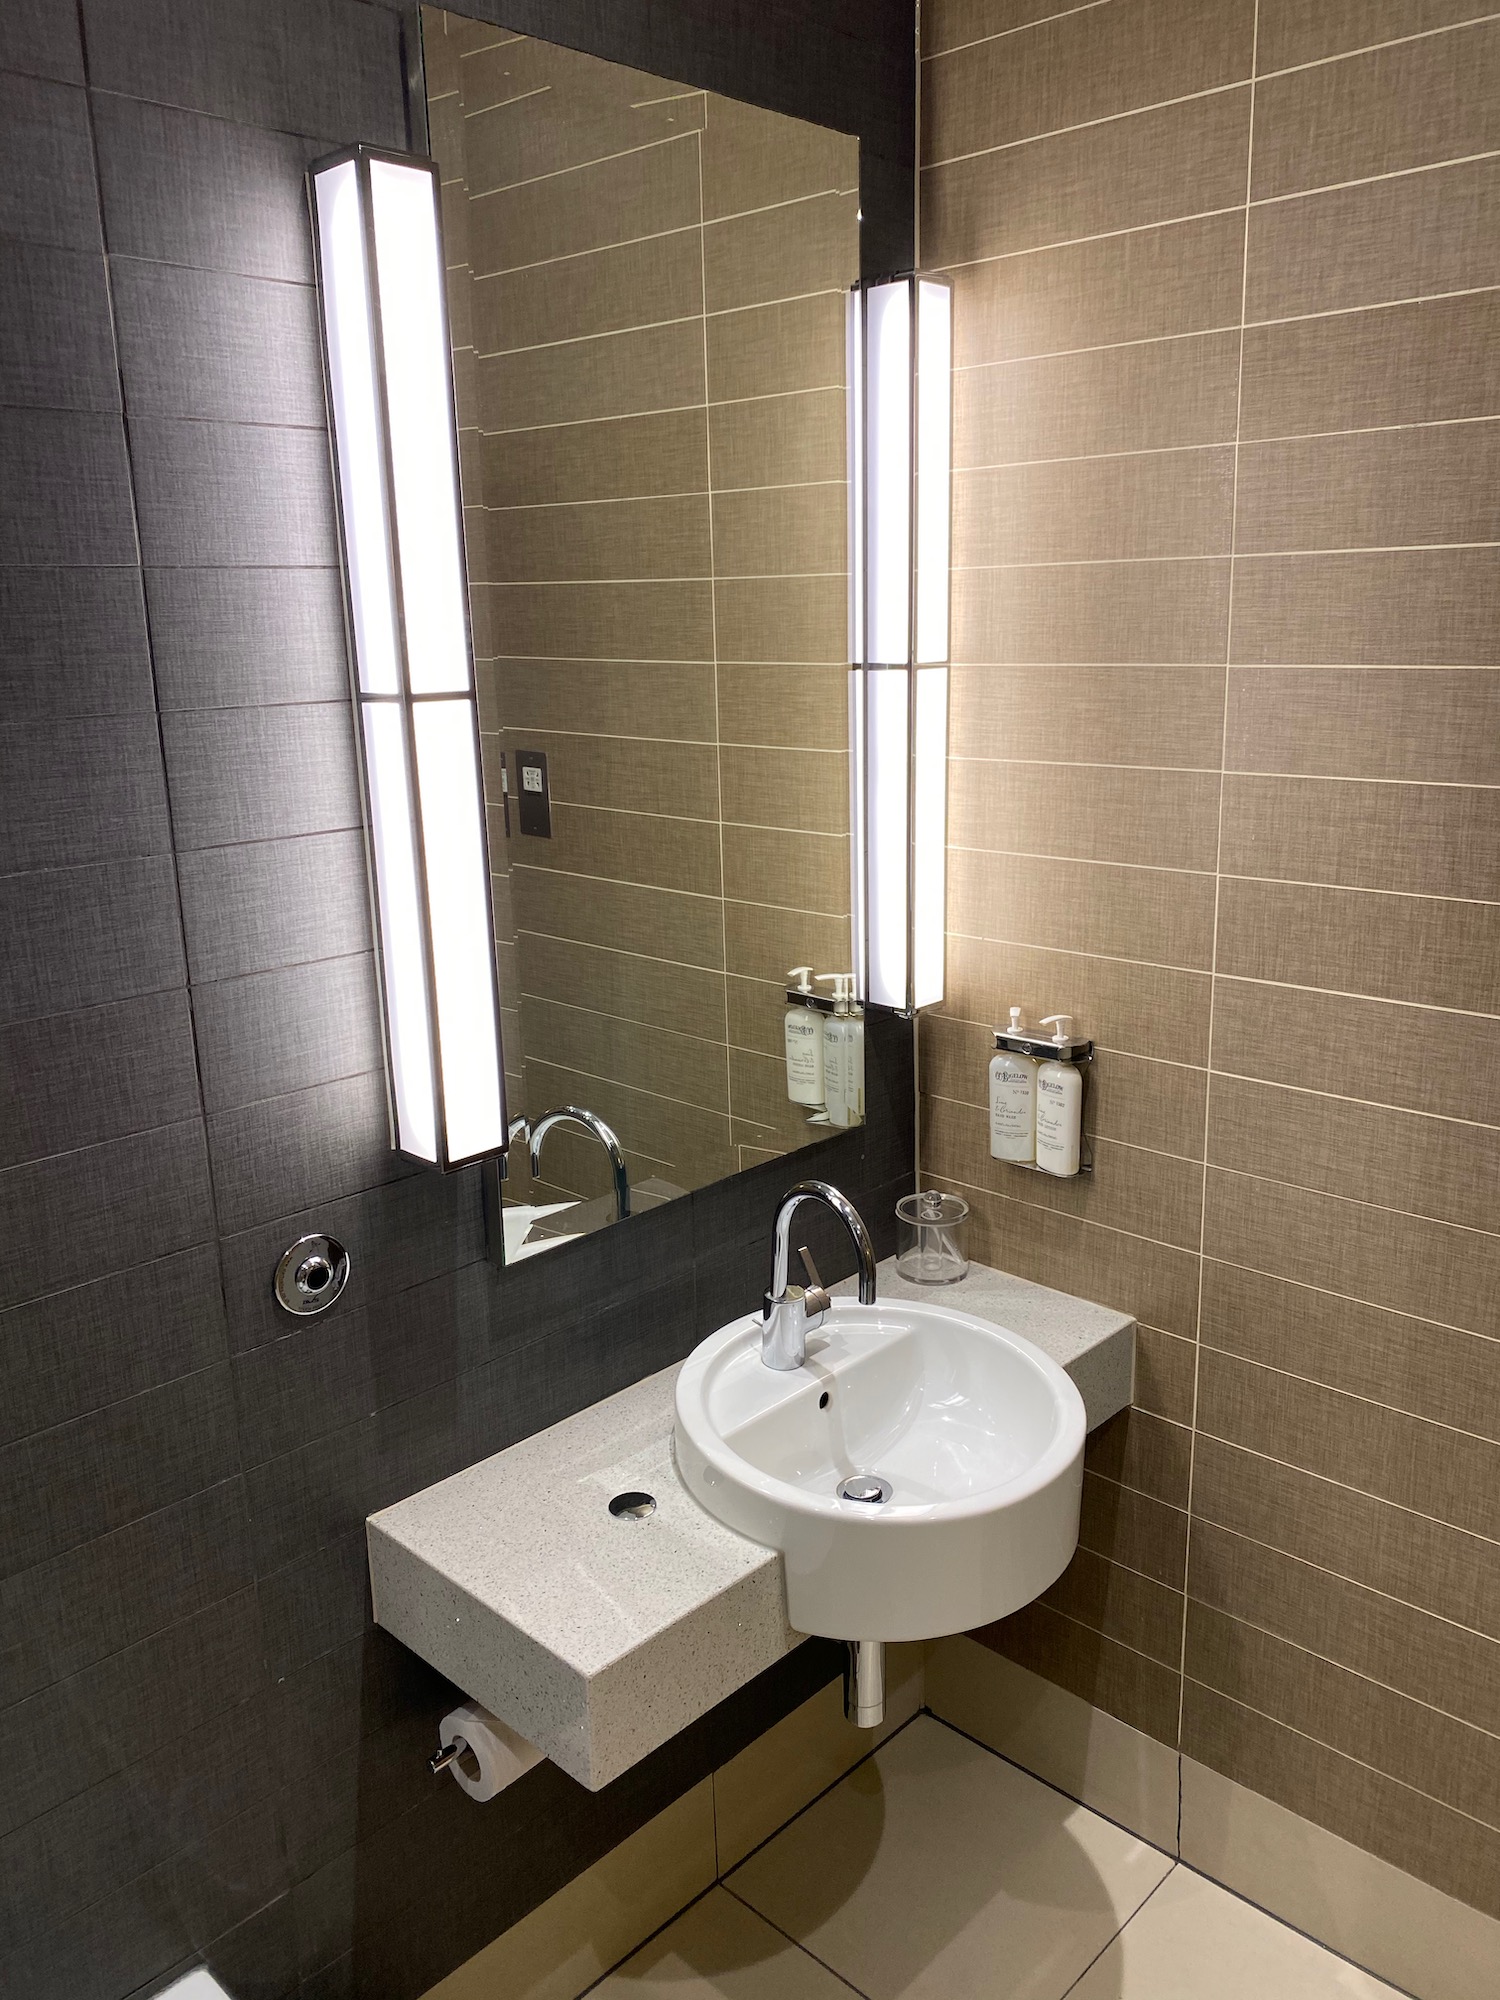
point(1042, 1048)
point(817, 1003)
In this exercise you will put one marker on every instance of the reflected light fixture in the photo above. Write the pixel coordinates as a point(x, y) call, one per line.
point(388, 366)
point(900, 359)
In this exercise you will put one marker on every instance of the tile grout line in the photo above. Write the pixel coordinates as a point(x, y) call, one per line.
point(1209, 90)
point(1477, 19)
point(1198, 332)
point(1224, 556)
point(1470, 1229)
point(691, 1904)
point(832, 1785)
point(713, 612)
point(705, 492)
point(1244, 1360)
point(1187, 1554)
point(200, 1120)
point(1362, 1763)
point(1231, 1075)
point(1020, 28)
point(1112, 1942)
point(1245, 978)
point(1344, 1486)
point(1357, 1673)
point(797, 1946)
point(1050, 1784)
point(1158, 451)
point(658, 410)
point(1256, 773)
point(1111, 1638)
point(1355, 1583)
point(1351, 1298)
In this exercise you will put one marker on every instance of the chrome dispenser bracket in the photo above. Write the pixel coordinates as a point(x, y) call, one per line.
point(1081, 1054)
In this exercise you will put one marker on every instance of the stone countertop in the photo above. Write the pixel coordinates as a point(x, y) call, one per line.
point(598, 1638)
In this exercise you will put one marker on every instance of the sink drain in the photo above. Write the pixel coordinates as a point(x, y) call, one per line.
point(867, 1487)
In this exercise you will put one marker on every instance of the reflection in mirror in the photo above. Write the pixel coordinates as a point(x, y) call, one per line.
point(647, 293)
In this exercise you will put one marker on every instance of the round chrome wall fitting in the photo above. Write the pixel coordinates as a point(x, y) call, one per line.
point(632, 1506)
point(311, 1275)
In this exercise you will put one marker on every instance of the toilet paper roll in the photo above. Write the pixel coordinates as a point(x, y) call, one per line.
point(499, 1752)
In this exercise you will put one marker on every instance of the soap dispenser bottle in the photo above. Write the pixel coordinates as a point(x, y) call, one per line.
point(1059, 1106)
point(803, 1027)
point(836, 1051)
point(1013, 1100)
point(854, 1068)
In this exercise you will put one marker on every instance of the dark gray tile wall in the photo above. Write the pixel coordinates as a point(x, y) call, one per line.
point(208, 1750)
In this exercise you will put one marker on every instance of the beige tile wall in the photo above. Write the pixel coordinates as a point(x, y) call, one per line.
point(646, 298)
point(1226, 785)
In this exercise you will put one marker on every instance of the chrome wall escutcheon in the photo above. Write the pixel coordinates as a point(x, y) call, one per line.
point(311, 1275)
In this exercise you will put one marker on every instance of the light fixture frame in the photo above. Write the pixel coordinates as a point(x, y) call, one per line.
point(913, 646)
point(404, 700)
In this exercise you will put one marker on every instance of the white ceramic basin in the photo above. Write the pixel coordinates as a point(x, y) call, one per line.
point(978, 1434)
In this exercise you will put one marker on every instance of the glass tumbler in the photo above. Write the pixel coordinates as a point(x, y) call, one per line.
point(930, 1238)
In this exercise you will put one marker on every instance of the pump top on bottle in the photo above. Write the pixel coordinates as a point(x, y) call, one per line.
point(803, 1032)
point(1013, 1100)
point(1059, 1104)
point(838, 1057)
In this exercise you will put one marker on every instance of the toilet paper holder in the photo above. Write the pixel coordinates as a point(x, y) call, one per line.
point(482, 1753)
point(449, 1754)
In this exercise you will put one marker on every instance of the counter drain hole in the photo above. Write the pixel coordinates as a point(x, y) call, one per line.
point(632, 1506)
point(823, 1400)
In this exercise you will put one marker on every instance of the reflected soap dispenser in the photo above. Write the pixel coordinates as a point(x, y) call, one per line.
point(803, 1034)
point(854, 1069)
point(1059, 1106)
point(836, 1051)
point(1013, 1100)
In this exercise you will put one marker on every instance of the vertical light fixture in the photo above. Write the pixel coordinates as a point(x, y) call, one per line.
point(379, 259)
point(900, 359)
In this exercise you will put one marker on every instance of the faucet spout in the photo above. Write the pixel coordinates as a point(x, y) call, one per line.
point(592, 1123)
point(789, 1313)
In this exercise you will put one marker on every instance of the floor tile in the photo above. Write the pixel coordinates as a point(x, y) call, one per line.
point(937, 1870)
point(1194, 1941)
point(718, 1947)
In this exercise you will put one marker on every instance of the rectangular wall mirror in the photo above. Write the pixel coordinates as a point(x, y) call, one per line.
point(647, 293)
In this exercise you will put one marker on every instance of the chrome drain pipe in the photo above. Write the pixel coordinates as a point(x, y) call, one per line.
point(864, 1683)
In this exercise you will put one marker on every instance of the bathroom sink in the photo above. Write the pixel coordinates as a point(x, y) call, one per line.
point(965, 1441)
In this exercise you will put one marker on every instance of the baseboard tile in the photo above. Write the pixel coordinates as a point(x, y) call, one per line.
point(773, 1778)
point(1118, 1771)
point(1395, 1926)
point(571, 1940)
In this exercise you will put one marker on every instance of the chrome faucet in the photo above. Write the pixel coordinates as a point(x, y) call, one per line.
point(518, 1132)
point(574, 1114)
point(789, 1312)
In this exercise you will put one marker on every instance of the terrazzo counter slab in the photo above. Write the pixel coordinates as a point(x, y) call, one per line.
point(1095, 1344)
point(598, 1638)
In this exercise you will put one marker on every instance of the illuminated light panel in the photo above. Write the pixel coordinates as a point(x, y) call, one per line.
point(900, 512)
point(395, 451)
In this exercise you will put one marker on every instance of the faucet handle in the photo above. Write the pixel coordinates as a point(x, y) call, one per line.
point(816, 1299)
